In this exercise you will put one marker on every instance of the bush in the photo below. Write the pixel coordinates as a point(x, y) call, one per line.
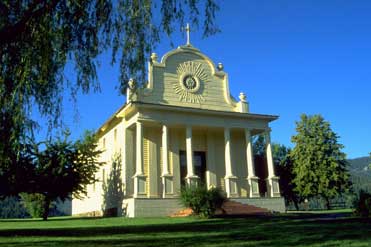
point(362, 204)
point(201, 200)
point(33, 204)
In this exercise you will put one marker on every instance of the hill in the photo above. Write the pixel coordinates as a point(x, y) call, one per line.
point(360, 171)
point(360, 164)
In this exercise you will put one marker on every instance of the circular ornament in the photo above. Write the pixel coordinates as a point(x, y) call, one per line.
point(190, 82)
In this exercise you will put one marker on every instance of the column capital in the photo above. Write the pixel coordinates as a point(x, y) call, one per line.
point(267, 134)
point(248, 132)
point(267, 130)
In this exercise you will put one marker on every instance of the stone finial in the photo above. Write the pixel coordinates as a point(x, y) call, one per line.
point(242, 97)
point(243, 106)
point(154, 57)
point(131, 84)
point(220, 67)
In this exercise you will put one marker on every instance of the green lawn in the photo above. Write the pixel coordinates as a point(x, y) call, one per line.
point(297, 229)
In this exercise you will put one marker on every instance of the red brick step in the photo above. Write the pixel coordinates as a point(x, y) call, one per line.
point(237, 208)
point(229, 208)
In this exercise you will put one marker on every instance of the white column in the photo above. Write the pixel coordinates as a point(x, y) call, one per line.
point(165, 160)
point(230, 180)
point(252, 180)
point(139, 149)
point(249, 154)
point(191, 177)
point(167, 181)
point(139, 177)
point(189, 151)
point(269, 154)
point(227, 150)
point(272, 180)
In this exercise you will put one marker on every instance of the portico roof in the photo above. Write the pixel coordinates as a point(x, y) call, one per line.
point(123, 110)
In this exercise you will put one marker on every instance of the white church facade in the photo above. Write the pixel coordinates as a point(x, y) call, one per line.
point(182, 128)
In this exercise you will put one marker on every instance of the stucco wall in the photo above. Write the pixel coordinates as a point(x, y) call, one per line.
point(111, 143)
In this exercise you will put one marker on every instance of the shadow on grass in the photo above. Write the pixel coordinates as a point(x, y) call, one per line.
point(67, 218)
point(254, 231)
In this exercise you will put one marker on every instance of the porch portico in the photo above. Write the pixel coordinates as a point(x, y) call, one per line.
point(162, 135)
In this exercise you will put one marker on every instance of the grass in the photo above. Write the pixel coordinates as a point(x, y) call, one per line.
point(299, 229)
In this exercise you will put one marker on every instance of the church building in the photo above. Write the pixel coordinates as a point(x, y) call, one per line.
point(182, 128)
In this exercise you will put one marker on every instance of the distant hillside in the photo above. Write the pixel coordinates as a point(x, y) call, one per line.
point(360, 171)
point(360, 164)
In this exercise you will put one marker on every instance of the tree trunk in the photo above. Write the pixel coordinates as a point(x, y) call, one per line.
point(46, 207)
point(328, 206)
point(296, 204)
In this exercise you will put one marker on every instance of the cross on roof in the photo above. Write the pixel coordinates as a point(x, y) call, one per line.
point(188, 30)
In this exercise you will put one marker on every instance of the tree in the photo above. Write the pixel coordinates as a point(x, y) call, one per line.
point(286, 175)
point(11, 207)
point(64, 169)
point(283, 167)
point(319, 165)
point(284, 170)
point(38, 38)
point(259, 145)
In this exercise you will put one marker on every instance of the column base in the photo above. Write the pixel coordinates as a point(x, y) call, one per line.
point(140, 190)
point(192, 180)
point(231, 186)
point(167, 186)
point(253, 183)
point(273, 187)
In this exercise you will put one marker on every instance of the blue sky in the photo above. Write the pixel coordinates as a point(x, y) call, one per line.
point(289, 57)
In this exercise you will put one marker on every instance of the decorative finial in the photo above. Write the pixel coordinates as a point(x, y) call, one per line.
point(131, 83)
point(220, 67)
point(242, 97)
point(154, 57)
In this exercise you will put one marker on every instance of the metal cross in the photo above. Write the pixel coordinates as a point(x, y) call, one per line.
point(188, 30)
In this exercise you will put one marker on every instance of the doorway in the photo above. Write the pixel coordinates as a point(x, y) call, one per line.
point(199, 165)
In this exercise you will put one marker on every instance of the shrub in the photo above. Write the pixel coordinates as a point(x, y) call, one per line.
point(33, 204)
point(362, 204)
point(201, 200)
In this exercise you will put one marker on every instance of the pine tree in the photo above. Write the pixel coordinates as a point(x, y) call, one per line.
point(319, 165)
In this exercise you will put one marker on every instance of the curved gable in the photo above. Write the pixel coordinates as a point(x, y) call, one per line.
point(187, 77)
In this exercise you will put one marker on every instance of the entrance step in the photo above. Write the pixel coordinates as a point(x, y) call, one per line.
point(183, 213)
point(230, 208)
point(237, 208)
